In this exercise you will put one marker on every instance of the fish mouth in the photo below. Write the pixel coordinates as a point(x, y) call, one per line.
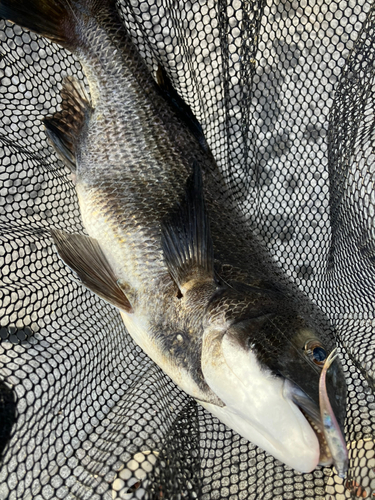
point(325, 457)
point(312, 414)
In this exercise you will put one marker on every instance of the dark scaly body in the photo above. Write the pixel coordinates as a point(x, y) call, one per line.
point(134, 152)
point(131, 170)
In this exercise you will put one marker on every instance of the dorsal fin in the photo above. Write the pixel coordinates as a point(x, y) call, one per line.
point(65, 127)
point(85, 257)
point(182, 109)
point(186, 237)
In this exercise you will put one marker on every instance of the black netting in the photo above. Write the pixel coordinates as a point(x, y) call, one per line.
point(285, 94)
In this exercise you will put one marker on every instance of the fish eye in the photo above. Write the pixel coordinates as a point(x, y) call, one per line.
point(316, 352)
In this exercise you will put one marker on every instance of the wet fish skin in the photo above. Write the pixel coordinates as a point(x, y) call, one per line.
point(132, 157)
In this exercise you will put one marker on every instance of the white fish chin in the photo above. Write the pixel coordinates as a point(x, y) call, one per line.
point(258, 404)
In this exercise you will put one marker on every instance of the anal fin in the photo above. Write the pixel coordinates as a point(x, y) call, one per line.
point(66, 127)
point(85, 257)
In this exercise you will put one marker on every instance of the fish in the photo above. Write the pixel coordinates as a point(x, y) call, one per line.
point(168, 247)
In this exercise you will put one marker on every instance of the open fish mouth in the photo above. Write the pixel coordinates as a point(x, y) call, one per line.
point(312, 414)
point(332, 431)
point(322, 420)
point(325, 457)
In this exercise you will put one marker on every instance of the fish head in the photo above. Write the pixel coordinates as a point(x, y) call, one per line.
point(257, 356)
point(264, 362)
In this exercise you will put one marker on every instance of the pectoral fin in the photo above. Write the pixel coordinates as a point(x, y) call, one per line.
point(186, 238)
point(85, 257)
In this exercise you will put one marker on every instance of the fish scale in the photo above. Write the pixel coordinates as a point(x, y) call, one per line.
point(170, 250)
point(139, 185)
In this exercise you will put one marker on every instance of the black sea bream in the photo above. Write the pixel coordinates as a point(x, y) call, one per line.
point(169, 250)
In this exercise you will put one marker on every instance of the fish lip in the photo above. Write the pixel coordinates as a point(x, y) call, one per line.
point(311, 412)
point(332, 430)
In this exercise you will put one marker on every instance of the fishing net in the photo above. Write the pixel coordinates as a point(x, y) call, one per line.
point(285, 93)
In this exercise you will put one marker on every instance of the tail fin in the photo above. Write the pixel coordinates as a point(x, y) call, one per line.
point(49, 18)
point(57, 20)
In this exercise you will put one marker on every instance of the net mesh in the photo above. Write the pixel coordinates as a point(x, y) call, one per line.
point(284, 91)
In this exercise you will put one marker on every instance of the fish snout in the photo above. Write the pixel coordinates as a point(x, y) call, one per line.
point(255, 401)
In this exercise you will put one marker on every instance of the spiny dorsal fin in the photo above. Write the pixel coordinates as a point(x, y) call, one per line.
point(182, 109)
point(186, 237)
point(65, 127)
point(85, 257)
